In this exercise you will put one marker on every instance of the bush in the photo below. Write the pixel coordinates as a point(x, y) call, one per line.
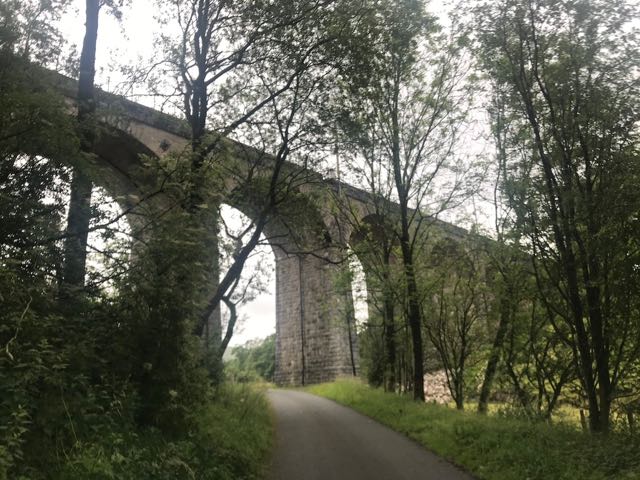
point(253, 361)
point(230, 439)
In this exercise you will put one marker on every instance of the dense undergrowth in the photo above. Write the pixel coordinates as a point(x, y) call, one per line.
point(495, 447)
point(116, 386)
point(229, 439)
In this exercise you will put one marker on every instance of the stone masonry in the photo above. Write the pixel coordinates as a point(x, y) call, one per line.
point(312, 335)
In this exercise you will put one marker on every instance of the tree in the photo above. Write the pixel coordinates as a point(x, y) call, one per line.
point(44, 358)
point(79, 217)
point(410, 106)
point(29, 29)
point(457, 310)
point(564, 68)
point(377, 251)
point(253, 360)
point(506, 256)
point(537, 363)
point(80, 196)
point(252, 70)
point(246, 287)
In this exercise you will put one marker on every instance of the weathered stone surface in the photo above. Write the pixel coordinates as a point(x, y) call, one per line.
point(312, 335)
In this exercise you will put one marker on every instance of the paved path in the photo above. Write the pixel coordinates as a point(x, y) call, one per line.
point(317, 439)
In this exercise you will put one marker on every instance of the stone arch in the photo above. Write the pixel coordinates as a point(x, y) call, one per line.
point(373, 227)
point(120, 161)
point(119, 166)
point(114, 164)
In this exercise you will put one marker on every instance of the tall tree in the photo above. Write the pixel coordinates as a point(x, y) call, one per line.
point(458, 308)
point(378, 251)
point(249, 70)
point(410, 103)
point(79, 217)
point(566, 68)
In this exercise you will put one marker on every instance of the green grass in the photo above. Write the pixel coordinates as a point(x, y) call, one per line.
point(230, 440)
point(494, 447)
point(240, 425)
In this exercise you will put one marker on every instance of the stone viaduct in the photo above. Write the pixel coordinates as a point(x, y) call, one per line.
point(315, 331)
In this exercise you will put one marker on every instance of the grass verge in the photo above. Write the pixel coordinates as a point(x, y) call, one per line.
point(230, 440)
point(492, 447)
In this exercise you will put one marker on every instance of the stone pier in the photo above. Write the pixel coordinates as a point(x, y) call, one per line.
point(315, 335)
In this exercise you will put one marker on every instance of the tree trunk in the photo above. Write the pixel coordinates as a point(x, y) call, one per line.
point(79, 217)
point(601, 353)
point(459, 387)
point(350, 316)
point(233, 318)
point(86, 80)
point(631, 420)
point(414, 315)
point(75, 247)
point(390, 345)
point(389, 329)
point(494, 357)
point(583, 345)
point(415, 324)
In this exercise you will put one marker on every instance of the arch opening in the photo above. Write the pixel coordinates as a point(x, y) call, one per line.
point(36, 190)
point(359, 290)
point(255, 292)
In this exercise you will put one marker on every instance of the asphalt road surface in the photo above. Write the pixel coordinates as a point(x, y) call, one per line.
point(317, 439)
